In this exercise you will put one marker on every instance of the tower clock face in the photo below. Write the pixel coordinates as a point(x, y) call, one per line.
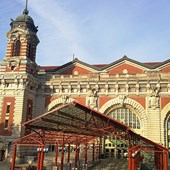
point(13, 64)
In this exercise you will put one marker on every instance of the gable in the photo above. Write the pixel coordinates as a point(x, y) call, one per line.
point(165, 69)
point(125, 68)
point(76, 70)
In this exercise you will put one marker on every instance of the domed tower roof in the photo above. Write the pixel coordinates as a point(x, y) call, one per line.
point(25, 18)
point(24, 21)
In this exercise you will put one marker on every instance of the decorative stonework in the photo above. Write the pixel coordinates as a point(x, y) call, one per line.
point(13, 64)
point(92, 98)
point(154, 97)
point(3, 144)
point(122, 99)
point(62, 100)
point(65, 99)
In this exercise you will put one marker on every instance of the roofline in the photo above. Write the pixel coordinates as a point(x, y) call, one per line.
point(106, 66)
point(71, 63)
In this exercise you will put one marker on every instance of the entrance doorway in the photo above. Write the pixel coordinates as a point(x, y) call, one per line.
point(113, 146)
point(109, 152)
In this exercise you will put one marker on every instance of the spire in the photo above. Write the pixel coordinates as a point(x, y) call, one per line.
point(26, 10)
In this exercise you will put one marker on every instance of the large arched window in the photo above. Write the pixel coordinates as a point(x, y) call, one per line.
point(17, 48)
point(125, 115)
point(168, 132)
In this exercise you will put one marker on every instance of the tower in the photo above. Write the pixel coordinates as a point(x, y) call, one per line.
point(18, 80)
point(21, 46)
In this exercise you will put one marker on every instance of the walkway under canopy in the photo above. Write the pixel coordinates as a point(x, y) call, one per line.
point(77, 124)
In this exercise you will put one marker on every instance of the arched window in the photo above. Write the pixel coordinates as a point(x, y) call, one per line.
point(168, 132)
point(17, 48)
point(31, 52)
point(126, 116)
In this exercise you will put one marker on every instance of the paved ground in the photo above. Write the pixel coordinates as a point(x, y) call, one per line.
point(110, 164)
point(4, 166)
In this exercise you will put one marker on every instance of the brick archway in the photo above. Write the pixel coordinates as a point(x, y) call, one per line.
point(130, 102)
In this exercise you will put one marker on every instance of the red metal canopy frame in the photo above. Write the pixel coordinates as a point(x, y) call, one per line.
point(75, 123)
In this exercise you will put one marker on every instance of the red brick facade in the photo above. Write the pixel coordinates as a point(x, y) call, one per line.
point(7, 116)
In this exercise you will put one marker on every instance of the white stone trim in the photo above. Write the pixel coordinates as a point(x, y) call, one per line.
point(57, 102)
point(165, 111)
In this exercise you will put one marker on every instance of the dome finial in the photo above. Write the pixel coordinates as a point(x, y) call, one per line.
point(26, 10)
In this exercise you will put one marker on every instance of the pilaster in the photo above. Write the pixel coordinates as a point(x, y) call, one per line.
point(18, 114)
point(153, 121)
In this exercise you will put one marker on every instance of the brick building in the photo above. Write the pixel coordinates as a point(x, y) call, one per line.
point(135, 93)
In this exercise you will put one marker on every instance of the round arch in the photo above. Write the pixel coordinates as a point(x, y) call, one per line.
point(165, 114)
point(138, 108)
point(58, 101)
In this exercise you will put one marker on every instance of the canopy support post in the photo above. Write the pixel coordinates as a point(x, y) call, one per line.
point(129, 158)
point(41, 158)
point(14, 156)
point(93, 154)
point(100, 141)
point(62, 155)
point(56, 154)
point(68, 160)
point(76, 157)
point(85, 156)
point(165, 160)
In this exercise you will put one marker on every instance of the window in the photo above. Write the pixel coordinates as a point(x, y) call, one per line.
point(111, 90)
point(6, 124)
point(6, 84)
point(8, 108)
point(121, 89)
point(132, 89)
point(126, 116)
point(29, 113)
point(169, 124)
point(142, 89)
point(16, 48)
point(31, 52)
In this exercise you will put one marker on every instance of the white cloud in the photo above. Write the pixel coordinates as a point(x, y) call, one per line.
point(58, 31)
point(96, 31)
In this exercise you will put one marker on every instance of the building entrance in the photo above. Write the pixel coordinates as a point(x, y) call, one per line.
point(109, 152)
point(113, 146)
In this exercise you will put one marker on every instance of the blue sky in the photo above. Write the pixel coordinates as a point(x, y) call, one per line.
point(96, 31)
